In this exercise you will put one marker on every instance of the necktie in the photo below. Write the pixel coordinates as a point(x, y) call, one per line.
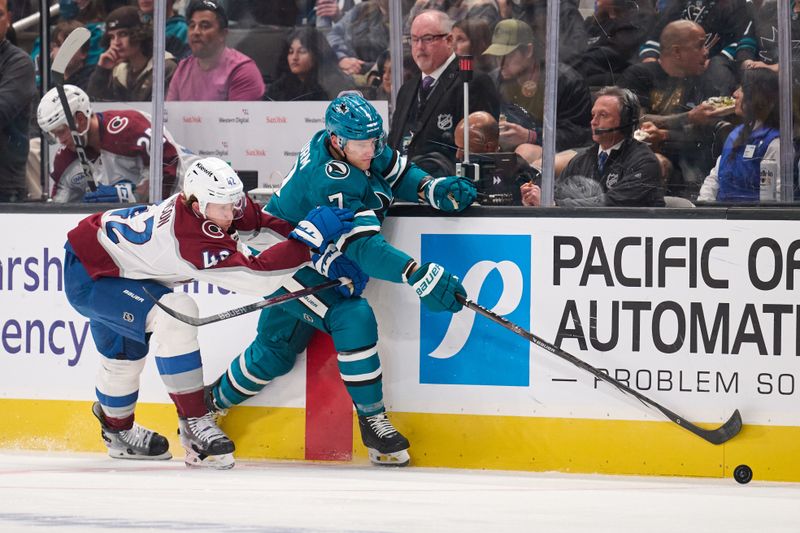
point(602, 157)
point(427, 81)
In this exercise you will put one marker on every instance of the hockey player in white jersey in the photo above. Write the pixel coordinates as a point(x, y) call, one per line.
point(118, 144)
point(113, 256)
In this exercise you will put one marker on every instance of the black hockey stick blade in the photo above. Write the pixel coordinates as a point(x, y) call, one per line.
point(239, 311)
point(719, 435)
point(74, 41)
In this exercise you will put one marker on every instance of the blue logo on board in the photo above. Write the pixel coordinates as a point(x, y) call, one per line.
point(464, 348)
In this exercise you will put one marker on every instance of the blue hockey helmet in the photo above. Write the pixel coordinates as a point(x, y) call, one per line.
point(352, 118)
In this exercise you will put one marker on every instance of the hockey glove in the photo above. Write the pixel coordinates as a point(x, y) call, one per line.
point(332, 264)
point(437, 288)
point(322, 226)
point(449, 194)
point(121, 192)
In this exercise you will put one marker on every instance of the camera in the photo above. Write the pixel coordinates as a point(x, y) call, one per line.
point(498, 177)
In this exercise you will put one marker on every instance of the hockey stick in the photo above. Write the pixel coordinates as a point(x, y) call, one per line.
point(239, 311)
point(724, 433)
point(74, 41)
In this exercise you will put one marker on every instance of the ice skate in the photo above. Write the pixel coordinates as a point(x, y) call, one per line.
point(386, 446)
point(206, 445)
point(211, 402)
point(135, 443)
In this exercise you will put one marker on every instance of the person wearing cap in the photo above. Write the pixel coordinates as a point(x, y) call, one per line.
point(520, 80)
point(214, 71)
point(430, 104)
point(124, 71)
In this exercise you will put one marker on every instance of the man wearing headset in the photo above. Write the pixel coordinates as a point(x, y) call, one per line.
point(626, 169)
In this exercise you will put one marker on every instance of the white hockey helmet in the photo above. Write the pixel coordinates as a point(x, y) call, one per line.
point(212, 181)
point(50, 114)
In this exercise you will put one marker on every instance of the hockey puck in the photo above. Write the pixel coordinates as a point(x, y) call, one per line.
point(743, 474)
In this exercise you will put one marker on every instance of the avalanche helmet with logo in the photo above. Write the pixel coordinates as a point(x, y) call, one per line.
point(212, 181)
point(50, 113)
point(352, 118)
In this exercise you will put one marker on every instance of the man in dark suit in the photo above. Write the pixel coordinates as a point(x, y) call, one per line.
point(430, 104)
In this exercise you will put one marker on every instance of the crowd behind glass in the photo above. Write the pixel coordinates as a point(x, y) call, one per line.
point(656, 99)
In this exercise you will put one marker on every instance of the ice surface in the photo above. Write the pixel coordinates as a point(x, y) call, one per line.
point(91, 492)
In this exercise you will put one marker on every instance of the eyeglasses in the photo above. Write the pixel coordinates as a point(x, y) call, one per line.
point(426, 39)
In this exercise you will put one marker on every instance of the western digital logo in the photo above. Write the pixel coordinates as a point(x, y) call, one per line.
point(463, 348)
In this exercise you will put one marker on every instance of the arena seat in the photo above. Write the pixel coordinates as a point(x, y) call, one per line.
point(263, 44)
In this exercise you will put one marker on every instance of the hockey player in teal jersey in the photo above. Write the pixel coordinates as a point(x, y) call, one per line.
point(348, 165)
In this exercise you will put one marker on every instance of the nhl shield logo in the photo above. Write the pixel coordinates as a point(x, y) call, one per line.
point(444, 121)
point(337, 169)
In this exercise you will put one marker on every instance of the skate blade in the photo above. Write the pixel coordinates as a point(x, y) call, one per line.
point(224, 461)
point(400, 458)
point(123, 454)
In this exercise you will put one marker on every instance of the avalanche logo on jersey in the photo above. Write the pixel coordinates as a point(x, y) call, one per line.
point(464, 348)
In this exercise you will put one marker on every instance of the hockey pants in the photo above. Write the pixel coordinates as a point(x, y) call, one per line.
point(285, 330)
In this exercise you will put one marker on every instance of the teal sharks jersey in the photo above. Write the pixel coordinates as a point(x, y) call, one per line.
point(317, 178)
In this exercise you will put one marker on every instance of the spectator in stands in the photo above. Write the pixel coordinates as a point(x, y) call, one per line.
point(759, 45)
point(124, 71)
point(92, 14)
point(626, 169)
point(329, 11)
point(484, 138)
point(308, 69)
point(673, 93)
point(360, 36)
point(458, 10)
point(616, 31)
point(431, 103)
point(520, 80)
point(472, 36)
point(78, 70)
point(736, 175)
point(214, 71)
point(177, 32)
point(571, 31)
point(723, 24)
point(17, 90)
point(379, 78)
point(89, 13)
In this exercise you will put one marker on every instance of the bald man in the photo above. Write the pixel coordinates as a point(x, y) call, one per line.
point(723, 24)
point(484, 138)
point(672, 92)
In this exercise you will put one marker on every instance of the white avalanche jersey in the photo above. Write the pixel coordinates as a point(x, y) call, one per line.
point(170, 244)
point(124, 155)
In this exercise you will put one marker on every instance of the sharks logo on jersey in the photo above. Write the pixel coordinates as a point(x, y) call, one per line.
point(337, 169)
point(463, 348)
point(386, 202)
